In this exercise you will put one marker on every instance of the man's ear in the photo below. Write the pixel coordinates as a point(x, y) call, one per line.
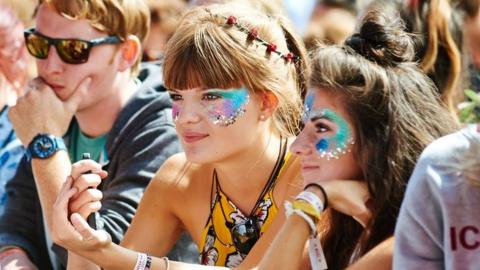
point(130, 52)
point(269, 103)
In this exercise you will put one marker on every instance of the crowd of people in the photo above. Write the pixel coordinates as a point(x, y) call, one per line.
point(246, 134)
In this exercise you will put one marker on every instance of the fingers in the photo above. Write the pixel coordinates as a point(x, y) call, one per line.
point(87, 165)
point(66, 192)
point(87, 181)
point(87, 233)
point(82, 227)
point(86, 202)
point(89, 208)
point(78, 95)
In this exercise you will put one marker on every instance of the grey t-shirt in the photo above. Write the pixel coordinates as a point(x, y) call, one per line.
point(439, 222)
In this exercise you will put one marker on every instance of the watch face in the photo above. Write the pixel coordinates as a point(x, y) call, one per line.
point(44, 147)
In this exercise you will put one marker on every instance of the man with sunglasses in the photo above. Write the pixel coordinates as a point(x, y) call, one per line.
point(84, 100)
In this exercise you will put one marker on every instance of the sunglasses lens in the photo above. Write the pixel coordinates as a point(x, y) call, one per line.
point(245, 235)
point(37, 46)
point(73, 51)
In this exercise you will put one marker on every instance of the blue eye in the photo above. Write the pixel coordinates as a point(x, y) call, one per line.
point(175, 97)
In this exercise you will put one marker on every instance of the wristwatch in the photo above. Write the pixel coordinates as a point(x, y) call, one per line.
point(44, 146)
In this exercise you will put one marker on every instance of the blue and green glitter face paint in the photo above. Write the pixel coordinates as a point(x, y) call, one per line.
point(222, 107)
point(226, 110)
point(332, 146)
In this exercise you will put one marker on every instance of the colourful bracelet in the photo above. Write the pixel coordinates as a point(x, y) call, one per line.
point(307, 208)
point(325, 203)
point(311, 198)
point(289, 211)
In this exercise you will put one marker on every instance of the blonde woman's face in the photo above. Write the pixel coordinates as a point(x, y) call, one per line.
point(214, 123)
point(326, 142)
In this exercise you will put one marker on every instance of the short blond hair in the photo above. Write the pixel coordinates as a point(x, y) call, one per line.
point(207, 52)
point(114, 17)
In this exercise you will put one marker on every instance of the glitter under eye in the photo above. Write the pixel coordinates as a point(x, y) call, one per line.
point(227, 110)
point(332, 147)
point(175, 111)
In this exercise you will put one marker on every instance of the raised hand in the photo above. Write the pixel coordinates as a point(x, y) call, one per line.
point(347, 196)
point(41, 111)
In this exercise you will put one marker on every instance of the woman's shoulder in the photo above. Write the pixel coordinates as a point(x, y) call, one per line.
point(452, 146)
point(446, 162)
point(178, 174)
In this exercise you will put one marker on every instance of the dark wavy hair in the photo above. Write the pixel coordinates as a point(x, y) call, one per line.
point(396, 112)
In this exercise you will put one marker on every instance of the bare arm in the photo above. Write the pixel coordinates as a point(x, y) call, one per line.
point(288, 247)
point(78, 262)
point(154, 215)
point(379, 258)
point(345, 196)
point(49, 176)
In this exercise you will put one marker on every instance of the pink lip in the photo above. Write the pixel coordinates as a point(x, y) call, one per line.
point(307, 168)
point(191, 137)
point(55, 87)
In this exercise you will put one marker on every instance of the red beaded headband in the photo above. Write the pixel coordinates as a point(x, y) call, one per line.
point(252, 34)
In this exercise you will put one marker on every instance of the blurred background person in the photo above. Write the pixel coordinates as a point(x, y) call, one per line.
point(165, 16)
point(13, 74)
point(438, 28)
point(324, 23)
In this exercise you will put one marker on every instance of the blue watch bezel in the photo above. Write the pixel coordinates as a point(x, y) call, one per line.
point(36, 147)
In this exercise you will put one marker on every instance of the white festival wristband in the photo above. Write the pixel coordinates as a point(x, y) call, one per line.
point(315, 250)
point(312, 199)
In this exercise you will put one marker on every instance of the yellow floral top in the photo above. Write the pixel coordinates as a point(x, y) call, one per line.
point(217, 246)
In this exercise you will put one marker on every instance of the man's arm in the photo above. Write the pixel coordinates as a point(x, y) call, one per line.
point(49, 175)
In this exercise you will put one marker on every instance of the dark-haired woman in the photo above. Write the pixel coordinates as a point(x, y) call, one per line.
point(369, 115)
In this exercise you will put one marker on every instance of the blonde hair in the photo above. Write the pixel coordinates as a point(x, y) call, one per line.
point(115, 17)
point(207, 52)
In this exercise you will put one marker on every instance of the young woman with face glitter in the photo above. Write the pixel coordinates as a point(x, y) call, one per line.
point(368, 116)
point(235, 77)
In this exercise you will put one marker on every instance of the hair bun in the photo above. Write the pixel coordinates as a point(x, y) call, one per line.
point(382, 39)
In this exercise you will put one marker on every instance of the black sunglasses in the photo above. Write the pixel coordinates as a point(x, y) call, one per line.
point(71, 51)
point(244, 234)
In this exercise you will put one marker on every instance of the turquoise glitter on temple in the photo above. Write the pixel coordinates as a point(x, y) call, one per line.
point(343, 132)
point(332, 146)
point(238, 96)
point(308, 106)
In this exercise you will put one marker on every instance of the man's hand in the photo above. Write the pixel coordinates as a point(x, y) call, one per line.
point(15, 259)
point(41, 111)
